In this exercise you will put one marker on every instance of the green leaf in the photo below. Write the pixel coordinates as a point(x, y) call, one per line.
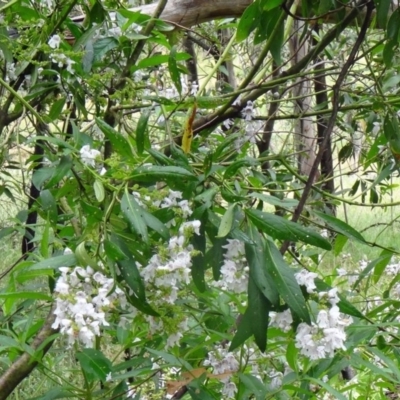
point(282, 229)
point(113, 251)
point(235, 166)
point(227, 221)
point(66, 260)
point(118, 141)
point(25, 295)
point(158, 60)
point(244, 330)
point(56, 109)
point(173, 69)
point(388, 52)
point(248, 21)
point(153, 173)
point(259, 308)
point(88, 57)
point(95, 364)
point(44, 243)
point(102, 46)
point(271, 4)
point(134, 214)
point(337, 395)
point(340, 226)
point(381, 263)
point(130, 274)
point(83, 256)
point(154, 223)
point(340, 241)
point(62, 169)
point(48, 204)
point(99, 190)
point(275, 201)
point(255, 386)
point(255, 255)
point(142, 141)
point(285, 282)
point(393, 26)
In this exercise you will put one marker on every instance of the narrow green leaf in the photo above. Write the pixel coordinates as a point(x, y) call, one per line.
point(244, 330)
point(134, 214)
point(66, 260)
point(95, 364)
point(340, 241)
point(158, 60)
point(56, 109)
point(393, 25)
point(227, 221)
point(142, 141)
point(173, 69)
point(154, 223)
point(337, 395)
point(153, 173)
point(130, 274)
point(285, 282)
point(255, 386)
point(340, 226)
point(99, 190)
point(44, 243)
point(119, 142)
point(255, 255)
point(102, 46)
point(248, 21)
point(282, 229)
point(25, 295)
point(48, 204)
point(381, 264)
point(62, 169)
point(259, 308)
point(83, 256)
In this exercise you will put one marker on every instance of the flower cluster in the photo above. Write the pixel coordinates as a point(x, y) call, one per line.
point(321, 339)
point(83, 297)
point(282, 320)
point(89, 155)
point(234, 270)
point(223, 362)
point(306, 278)
point(171, 266)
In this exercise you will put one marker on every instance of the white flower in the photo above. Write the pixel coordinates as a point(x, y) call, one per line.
point(173, 339)
point(69, 63)
point(376, 128)
point(229, 390)
point(194, 89)
point(282, 320)
point(306, 278)
point(228, 123)
point(54, 42)
point(109, 377)
point(88, 155)
point(248, 111)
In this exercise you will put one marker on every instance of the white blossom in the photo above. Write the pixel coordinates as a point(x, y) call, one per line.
point(282, 320)
point(54, 42)
point(248, 111)
point(306, 278)
point(88, 155)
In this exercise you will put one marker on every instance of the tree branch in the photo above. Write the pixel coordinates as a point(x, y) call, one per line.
point(25, 364)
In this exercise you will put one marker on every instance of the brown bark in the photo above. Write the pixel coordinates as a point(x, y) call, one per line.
point(26, 363)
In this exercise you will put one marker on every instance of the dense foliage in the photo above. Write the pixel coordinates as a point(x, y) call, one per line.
point(175, 225)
